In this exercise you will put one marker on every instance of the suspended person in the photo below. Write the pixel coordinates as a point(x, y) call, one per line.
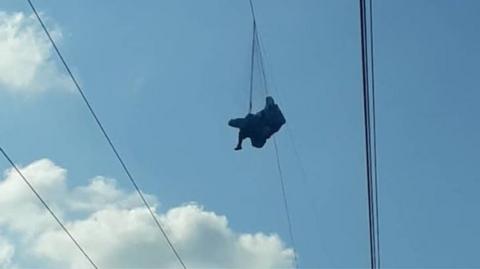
point(260, 126)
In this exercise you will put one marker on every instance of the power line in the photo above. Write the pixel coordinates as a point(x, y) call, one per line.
point(370, 162)
point(367, 131)
point(112, 146)
point(14, 166)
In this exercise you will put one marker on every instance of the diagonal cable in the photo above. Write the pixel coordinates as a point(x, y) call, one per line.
point(257, 45)
point(64, 228)
point(112, 146)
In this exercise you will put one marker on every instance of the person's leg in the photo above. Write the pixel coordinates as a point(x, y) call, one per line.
point(258, 142)
point(237, 123)
point(241, 137)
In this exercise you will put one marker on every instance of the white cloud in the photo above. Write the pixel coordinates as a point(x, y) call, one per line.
point(117, 231)
point(27, 65)
point(6, 253)
point(21, 211)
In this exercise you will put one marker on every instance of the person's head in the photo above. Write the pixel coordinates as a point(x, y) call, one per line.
point(270, 101)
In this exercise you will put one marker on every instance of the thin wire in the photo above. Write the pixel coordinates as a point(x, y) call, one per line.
point(112, 146)
point(374, 137)
point(254, 33)
point(262, 66)
point(252, 10)
point(304, 176)
point(282, 183)
point(259, 47)
point(263, 57)
point(285, 201)
point(367, 126)
point(14, 166)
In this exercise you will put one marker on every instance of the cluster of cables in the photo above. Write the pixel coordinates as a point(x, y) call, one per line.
point(368, 79)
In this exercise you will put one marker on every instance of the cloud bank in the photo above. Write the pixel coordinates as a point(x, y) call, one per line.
point(116, 230)
point(6, 253)
point(27, 65)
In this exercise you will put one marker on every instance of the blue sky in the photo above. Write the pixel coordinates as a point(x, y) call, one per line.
point(165, 77)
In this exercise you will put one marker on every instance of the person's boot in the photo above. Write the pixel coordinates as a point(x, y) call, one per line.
point(239, 147)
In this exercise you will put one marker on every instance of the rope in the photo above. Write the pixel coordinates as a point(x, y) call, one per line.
point(304, 176)
point(47, 207)
point(285, 201)
point(262, 66)
point(254, 33)
point(256, 46)
point(112, 146)
point(252, 10)
point(374, 137)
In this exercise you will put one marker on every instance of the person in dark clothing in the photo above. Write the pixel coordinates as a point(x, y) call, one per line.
point(260, 126)
point(272, 116)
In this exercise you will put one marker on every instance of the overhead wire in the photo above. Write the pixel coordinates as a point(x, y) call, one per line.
point(107, 137)
point(370, 151)
point(47, 207)
point(367, 133)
